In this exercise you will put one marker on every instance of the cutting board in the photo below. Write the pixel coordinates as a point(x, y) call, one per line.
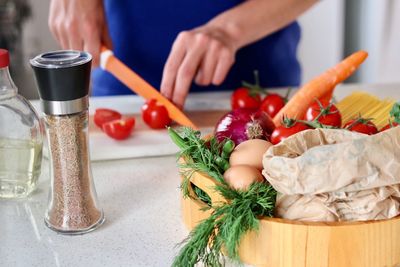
point(144, 141)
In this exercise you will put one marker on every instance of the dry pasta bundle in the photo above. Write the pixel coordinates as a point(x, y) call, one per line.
point(366, 105)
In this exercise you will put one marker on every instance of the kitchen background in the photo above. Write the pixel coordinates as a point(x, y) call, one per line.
point(330, 30)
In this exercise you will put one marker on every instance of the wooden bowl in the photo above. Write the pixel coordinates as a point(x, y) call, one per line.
point(285, 243)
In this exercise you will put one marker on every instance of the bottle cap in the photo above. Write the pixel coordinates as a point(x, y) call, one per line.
point(4, 58)
point(63, 79)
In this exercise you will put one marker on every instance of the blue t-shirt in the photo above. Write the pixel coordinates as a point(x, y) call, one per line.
point(144, 31)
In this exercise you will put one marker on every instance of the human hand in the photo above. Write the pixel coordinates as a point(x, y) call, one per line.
point(79, 25)
point(204, 55)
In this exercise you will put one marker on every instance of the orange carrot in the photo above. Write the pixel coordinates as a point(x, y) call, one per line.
point(136, 83)
point(320, 87)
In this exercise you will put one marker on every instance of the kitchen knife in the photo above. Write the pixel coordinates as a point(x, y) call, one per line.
point(139, 86)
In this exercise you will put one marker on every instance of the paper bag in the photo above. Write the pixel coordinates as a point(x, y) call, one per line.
point(336, 175)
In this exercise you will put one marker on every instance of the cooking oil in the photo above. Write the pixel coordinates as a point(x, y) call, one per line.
point(20, 164)
point(20, 138)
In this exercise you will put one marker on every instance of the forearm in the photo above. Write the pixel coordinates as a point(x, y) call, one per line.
point(255, 19)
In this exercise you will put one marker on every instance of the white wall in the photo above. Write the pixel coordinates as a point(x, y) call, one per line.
point(379, 23)
point(364, 21)
point(370, 25)
point(321, 45)
point(389, 63)
point(36, 39)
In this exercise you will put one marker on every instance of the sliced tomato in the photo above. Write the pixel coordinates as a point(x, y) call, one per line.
point(361, 125)
point(272, 103)
point(287, 129)
point(244, 98)
point(389, 125)
point(155, 115)
point(119, 129)
point(324, 112)
point(103, 115)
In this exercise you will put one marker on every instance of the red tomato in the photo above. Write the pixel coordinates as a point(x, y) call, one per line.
point(330, 115)
point(103, 115)
point(155, 115)
point(119, 129)
point(282, 132)
point(242, 98)
point(272, 103)
point(362, 126)
point(388, 126)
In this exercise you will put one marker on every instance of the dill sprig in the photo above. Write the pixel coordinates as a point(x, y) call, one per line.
point(226, 226)
point(200, 156)
point(229, 221)
point(203, 196)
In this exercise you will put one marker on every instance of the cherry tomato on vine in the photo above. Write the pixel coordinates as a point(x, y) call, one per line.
point(119, 129)
point(362, 126)
point(325, 112)
point(272, 103)
point(103, 115)
point(244, 98)
point(389, 125)
point(155, 115)
point(288, 128)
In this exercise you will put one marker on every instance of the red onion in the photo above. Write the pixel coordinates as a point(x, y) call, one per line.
point(244, 124)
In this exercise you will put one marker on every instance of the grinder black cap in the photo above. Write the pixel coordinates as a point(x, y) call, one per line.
point(63, 79)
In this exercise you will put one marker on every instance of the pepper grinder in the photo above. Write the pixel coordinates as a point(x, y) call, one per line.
point(63, 79)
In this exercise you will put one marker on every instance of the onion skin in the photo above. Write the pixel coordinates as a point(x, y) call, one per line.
point(244, 124)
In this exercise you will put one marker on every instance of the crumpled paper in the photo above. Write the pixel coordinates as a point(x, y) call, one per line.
point(336, 175)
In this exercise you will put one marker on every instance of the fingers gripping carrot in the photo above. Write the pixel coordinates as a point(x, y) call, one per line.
point(320, 87)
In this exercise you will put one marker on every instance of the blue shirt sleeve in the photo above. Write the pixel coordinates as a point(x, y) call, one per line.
point(144, 31)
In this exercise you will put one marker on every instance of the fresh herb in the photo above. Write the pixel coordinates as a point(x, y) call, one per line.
point(203, 196)
point(395, 112)
point(229, 221)
point(199, 154)
point(226, 226)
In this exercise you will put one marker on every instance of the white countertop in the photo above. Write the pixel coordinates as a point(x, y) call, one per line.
point(140, 199)
point(141, 205)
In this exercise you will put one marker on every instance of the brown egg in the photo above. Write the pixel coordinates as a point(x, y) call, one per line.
point(250, 153)
point(241, 176)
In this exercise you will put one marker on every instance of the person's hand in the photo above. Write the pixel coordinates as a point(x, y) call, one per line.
point(207, 53)
point(204, 55)
point(79, 25)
